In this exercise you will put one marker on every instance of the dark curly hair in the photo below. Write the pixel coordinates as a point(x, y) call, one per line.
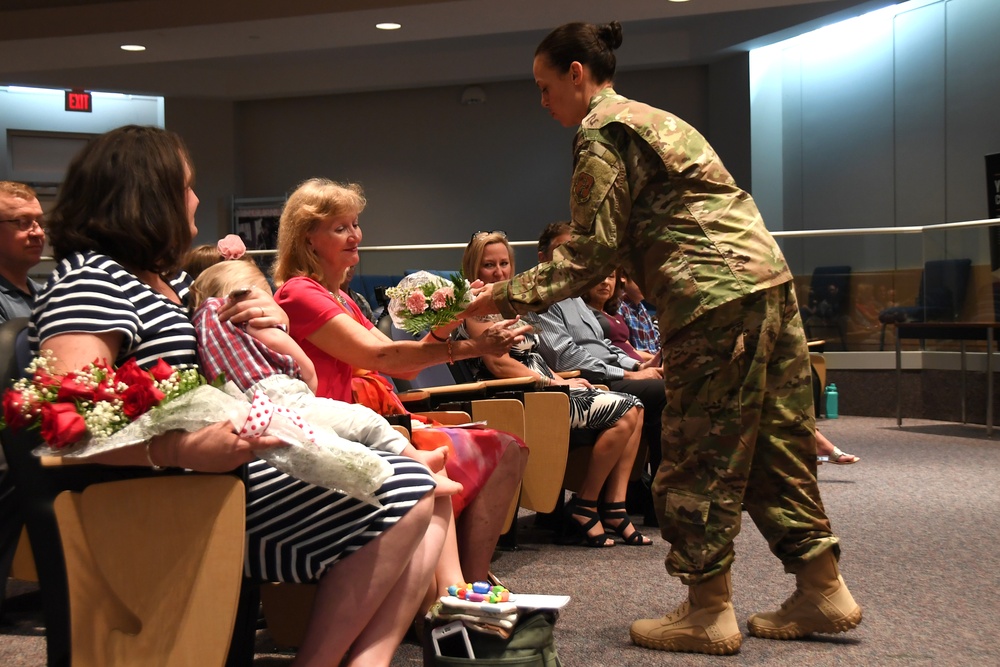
point(589, 44)
point(551, 231)
point(124, 196)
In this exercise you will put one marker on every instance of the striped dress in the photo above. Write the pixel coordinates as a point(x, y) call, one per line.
point(294, 530)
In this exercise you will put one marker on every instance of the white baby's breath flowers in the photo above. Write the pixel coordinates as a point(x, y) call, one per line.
point(104, 417)
point(181, 381)
point(41, 361)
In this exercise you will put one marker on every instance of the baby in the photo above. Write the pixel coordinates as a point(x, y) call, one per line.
point(266, 357)
point(245, 354)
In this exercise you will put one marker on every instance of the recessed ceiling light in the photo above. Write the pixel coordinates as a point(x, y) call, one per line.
point(677, 0)
point(388, 26)
point(133, 47)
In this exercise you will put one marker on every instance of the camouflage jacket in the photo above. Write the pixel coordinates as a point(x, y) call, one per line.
point(650, 194)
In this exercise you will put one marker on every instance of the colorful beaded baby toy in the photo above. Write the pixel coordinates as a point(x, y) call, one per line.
point(480, 591)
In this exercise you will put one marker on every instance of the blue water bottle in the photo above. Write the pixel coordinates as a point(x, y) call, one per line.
point(831, 401)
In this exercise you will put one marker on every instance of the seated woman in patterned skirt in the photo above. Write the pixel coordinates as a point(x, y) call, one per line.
point(616, 416)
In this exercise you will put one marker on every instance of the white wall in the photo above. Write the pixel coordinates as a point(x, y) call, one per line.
point(882, 122)
point(33, 110)
point(207, 127)
point(435, 171)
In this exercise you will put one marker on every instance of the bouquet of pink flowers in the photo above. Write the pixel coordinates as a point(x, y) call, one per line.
point(100, 408)
point(424, 301)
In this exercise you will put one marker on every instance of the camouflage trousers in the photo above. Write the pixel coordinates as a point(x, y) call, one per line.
point(738, 433)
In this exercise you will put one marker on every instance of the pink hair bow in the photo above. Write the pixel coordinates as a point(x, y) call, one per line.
point(231, 246)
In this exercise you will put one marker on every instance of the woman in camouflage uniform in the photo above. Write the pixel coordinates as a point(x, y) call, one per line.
point(650, 194)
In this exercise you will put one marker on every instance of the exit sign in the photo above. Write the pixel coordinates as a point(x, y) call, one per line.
point(78, 100)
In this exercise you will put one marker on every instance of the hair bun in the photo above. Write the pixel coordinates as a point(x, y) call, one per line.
point(611, 34)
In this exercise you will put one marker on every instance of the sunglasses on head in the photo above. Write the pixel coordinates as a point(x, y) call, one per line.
point(501, 233)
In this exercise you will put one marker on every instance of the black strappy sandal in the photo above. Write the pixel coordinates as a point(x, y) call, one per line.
point(610, 512)
point(580, 531)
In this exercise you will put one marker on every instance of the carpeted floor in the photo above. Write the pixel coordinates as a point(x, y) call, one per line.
point(917, 517)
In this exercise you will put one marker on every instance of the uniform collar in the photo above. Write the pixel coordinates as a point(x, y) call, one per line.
point(602, 94)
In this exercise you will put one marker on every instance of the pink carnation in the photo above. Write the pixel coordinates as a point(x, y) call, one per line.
point(231, 246)
point(440, 297)
point(416, 303)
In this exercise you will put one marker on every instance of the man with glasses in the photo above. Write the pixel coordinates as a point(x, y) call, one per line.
point(21, 241)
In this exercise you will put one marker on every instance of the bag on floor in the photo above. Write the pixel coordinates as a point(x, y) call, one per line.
point(531, 644)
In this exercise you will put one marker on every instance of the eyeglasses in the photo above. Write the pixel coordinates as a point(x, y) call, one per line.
point(499, 232)
point(24, 224)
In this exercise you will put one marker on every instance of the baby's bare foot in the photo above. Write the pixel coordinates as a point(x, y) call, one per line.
point(433, 459)
point(446, 486)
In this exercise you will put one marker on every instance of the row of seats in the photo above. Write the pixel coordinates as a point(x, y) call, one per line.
point(559, 457)
point(134, 567)
point(115, 592)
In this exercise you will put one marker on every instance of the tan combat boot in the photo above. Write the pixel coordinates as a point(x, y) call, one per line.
point(820, 603)
point(705, 623)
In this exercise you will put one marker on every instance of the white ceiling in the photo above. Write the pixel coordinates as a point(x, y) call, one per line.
point(247, 49)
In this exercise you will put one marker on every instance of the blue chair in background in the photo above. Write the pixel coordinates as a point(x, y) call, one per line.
point(373, 287)
point(943, 286)
point(826, 312)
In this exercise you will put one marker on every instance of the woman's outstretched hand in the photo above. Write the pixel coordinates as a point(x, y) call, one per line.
point(501, 336)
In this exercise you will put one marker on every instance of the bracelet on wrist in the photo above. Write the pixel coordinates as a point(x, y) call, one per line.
point(451, 354)
point(149, 457)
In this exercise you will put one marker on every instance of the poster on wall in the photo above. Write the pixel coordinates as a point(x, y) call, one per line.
point(993, 208)
point(256, 222)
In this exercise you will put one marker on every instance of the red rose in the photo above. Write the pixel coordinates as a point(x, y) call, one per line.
point(139, 398)
point(75, 388)
point(42, 378)
point(14, 410)
point(62, 425)
point(105, 391)
point(131, 374)
point(162, 370)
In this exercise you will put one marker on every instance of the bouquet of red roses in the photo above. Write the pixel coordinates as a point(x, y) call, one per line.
point(95, 402)
point(100, 408)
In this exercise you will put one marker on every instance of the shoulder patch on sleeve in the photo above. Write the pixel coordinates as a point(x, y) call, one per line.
point(593, 180)
point(582, 186)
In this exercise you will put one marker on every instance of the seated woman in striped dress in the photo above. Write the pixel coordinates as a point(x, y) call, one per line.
point(122, 221)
